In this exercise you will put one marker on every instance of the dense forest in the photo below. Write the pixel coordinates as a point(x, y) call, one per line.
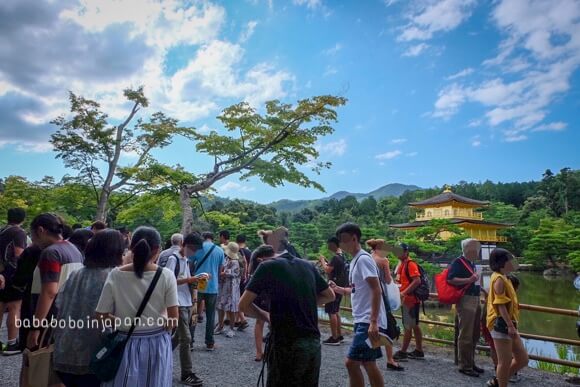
point(545, 214)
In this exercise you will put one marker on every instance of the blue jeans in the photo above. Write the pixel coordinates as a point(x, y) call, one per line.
point(359, 350)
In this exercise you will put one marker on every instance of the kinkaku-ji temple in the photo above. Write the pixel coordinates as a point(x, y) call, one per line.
point(460, 211)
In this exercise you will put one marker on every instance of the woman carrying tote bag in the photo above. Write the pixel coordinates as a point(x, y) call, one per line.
point(147, 356)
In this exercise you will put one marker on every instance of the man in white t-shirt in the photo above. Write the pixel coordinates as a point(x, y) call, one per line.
point(182, 336)
point(368, 310)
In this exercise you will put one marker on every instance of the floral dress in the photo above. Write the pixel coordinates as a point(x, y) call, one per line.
point(229, 296)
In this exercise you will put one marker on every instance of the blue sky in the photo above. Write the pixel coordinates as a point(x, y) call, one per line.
point(439, 91)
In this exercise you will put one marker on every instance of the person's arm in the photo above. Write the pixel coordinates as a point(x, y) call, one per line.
point(232, 270)
point(48, 292)
point(172, 317)
point(453, 279)
point(250, 309)
point(2, 281)
point(387, 270)
point(326, 296)
point(340, 290)
point(412, 286)
point(328, 268)
point(499, 289)
point(375, 288)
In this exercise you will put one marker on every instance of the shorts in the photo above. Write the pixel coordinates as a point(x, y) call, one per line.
point(499, 335)
point(410, 316)
point(359, 350)
point(334, 306)
point(294, 363)
point(10, 294)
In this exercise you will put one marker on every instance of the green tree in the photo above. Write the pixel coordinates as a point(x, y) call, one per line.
point(90, 144)
point(305, 236)
point(269, 146)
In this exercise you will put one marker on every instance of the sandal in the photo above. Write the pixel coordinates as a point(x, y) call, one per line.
point(394, 367)
point(492, 382)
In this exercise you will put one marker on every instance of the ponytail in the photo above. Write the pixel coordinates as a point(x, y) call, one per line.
point(144, 241)
point(141, 255)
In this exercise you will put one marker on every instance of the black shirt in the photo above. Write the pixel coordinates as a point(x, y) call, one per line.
point(338, 273)
point(292, 285)
point(458, 270)
point(10, 237)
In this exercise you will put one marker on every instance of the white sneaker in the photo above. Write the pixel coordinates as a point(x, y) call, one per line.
point(230, 334)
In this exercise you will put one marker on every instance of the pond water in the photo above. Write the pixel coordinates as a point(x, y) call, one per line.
point(535, 289)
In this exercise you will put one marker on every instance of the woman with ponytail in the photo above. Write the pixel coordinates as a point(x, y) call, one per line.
point(147, 358)
point(379, 250)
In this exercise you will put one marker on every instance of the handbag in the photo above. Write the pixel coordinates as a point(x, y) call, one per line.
point(393, 295)
point(393, 331)
point(447, 293)
point(106, 361)
point(38, 371)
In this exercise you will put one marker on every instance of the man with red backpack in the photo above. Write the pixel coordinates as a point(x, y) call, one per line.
point(409, 276)
point(462, 273)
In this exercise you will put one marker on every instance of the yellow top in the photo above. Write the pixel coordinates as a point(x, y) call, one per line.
point(509, 298)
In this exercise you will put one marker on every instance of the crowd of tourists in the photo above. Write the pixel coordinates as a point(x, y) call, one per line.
point(134, 301)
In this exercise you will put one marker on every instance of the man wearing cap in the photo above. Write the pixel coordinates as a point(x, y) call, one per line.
point(409, 276)
point(295, 288)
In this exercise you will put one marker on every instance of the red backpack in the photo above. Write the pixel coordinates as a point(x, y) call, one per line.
point(449, 294)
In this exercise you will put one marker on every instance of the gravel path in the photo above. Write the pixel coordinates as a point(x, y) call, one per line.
point(232, 364)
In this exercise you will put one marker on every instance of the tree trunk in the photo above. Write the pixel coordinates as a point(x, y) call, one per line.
point(102, 206)
point(186, 211)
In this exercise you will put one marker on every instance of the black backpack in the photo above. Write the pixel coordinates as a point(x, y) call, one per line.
point(421, 291)
point(163, 263)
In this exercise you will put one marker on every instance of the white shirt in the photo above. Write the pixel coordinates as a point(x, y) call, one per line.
point(363, 266)
point(183, 291)
point(123, 292)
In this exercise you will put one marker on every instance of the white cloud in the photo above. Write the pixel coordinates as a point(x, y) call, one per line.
point(336, 148)
point(416, 50)
point(310, 4)
point(235, 187)
point(540, 52)
point(552, 127)
point(248, 31)
point(27, 146)
point(398, 141)
point(389, 155)
point(432, 16)
point(332, 50)
point(461, 74)
point(412, 154)
point(106, 46)
point(476, 141)
point(330, 70)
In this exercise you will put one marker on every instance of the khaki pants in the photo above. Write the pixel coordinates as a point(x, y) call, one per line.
point(469, 317)
point(183, 338)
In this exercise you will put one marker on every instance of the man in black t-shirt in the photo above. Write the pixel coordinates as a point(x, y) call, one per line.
point(295, 289)
point(336, 272)
point(13, 241)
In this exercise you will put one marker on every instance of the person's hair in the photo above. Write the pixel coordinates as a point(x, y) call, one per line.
point(105, 249)
point(80, 238)
point(67, 231)
point(98, 225)
point(467, 242)
point(77, 226)
point(264, 251)
point(514, 280)
point(193, 239)
point(350, 229)
point(225, 234)
point(176, 239)
point(144, 240)
point(207, 235)
point(333, 240)
point(52, 223)
point(498, 258)
point(123, 230)
point(241, 239)
point(264, 234)
point(16, 215)
point(376, 244)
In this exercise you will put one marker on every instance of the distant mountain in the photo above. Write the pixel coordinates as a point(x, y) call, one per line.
point(394, 189)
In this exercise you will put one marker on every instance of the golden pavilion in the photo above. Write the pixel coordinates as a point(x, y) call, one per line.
point(460, 211)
